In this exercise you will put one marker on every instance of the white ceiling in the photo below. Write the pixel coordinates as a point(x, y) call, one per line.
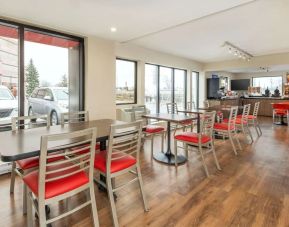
point(194, 29)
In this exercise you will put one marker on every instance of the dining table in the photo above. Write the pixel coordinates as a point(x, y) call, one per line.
point(167, 157)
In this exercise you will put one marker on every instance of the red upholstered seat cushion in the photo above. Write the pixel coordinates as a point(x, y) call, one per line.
point(153, 129)
point(186, 122)
point(33, 162)
point(223, 126)
point(250, 117)
point(238, 121)
point(124, 162)
point(192, 137)
point(57, 187)
point(280, 112)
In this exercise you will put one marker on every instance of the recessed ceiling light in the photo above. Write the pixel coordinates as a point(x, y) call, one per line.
point(113, 29)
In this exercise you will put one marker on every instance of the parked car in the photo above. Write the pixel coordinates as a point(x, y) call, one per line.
point(8, 105)
point(49, 100)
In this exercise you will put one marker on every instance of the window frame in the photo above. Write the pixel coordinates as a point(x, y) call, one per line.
point(173, 84)
point(22, 27)
point(253, 77)
point(198, 87)
point(135, 80)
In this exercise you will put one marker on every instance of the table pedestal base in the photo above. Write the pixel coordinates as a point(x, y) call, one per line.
point(169, 158)
point(280, 123)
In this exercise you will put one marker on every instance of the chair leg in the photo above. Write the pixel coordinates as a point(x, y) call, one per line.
point(176, 152)
point(29, 209)
point(152, 146)
point(163, 140)
point(187, 151)
point(232, 142)
point(203, 160)
point(237, 139)
point(93, 206)
point(13, 174)
point(215, 156)
point(112, 204)
point(249, 132)
point(41, 214)
point(256, 127)
point(259, 128)
point(24, 199)
point(146, 208)
point(243, 131)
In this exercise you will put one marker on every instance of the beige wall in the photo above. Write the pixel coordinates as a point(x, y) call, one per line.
point(100, 78)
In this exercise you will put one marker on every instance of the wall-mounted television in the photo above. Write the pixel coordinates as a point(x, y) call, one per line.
point(240, 85)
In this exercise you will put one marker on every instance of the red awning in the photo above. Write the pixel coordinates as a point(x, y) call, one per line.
point(10, 32)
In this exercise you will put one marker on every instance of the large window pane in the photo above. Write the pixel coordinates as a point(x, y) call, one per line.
point(151, 83)
point(166, 88)
point(125, 81)
point(179, 89)
point(52, 69)
point(268, 82)
point(9, 78)
point(195, 88)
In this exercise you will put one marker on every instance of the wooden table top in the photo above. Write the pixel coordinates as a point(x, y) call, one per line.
point(169, 117)
point(23, 144)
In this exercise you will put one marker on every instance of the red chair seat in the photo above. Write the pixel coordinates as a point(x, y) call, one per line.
point(57, 187)
point(280, 112)
point(238, 121)
point(192, 137)
point(33, 162)
point(116, 165)
point(153, 129)
point(223, 126)
point(186, 122)
point(250, 117)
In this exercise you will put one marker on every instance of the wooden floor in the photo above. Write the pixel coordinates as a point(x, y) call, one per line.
point(251, 190)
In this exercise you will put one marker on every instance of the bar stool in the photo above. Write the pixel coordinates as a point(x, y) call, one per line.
point(280, 110)
point(122, 157)
point(201, 140)
point(229, 129)
point(62, 179)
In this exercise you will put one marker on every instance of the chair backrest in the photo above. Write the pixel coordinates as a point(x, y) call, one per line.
point(206, 104)
point(74, 117)
point(138, 112)
point(59, 146)
point(124, 139)
point(172, 108)
point(27, 122)
point(191, 105)
point(233, 116)
point(246, 112)
point(207, 123)
point(256, 109)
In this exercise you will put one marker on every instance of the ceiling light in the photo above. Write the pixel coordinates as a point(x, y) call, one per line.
point(232, 49)
point(113, 29)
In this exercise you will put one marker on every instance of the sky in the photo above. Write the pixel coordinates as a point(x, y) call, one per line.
point(50, 61)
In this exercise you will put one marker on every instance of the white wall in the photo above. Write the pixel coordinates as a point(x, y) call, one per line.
point(143, 55)
point(100, 78)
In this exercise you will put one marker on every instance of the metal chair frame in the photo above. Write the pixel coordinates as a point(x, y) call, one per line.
point(124, 140)
point(74, 117)
point(254, 122)
point(244, 126)
point(207, 124)
point(81, 162)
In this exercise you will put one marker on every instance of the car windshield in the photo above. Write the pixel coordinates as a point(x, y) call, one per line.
point(5, 94)
point(61, 94)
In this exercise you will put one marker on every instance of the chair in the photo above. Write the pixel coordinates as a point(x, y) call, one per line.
point(229, 129)
point(280, 111)
point(206, 104)
point(199, 140)
point(24, 166)
point(253, 119)
point(191, 105)
point(150, 131)
point(121, 157)
point(74, 117)
point(62, 179)
point(172, 108)
point(242, 122)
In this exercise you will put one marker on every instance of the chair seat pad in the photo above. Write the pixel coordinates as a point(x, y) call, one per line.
point(187, 122)
point(33, 162)
point(124, 162)
point(250, 117)
point(153, 129)
point(223, 126)
point(192, 137)
point(238, 121)
point(60, 186)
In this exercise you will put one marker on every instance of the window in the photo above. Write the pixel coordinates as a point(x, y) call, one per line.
point(270, 82)
point(126, 81)
point(164, 85)
point(32, 57)
point(195, 88)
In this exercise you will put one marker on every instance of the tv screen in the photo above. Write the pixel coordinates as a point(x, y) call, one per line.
point(240, 85)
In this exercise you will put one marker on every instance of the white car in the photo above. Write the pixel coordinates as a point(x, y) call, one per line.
point(8, 105)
